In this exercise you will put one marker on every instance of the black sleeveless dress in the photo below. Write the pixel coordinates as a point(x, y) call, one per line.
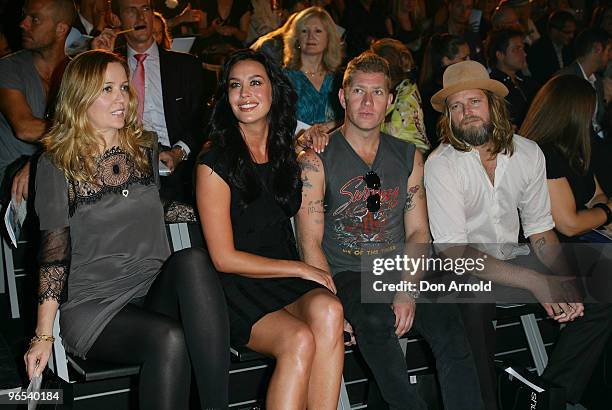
point(263, 228)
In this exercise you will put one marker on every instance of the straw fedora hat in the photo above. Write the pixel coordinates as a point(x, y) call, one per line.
point(466, 75)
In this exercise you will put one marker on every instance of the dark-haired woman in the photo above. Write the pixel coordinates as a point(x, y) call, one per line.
point(578, 203)
point(559, 120)
point(248, 188)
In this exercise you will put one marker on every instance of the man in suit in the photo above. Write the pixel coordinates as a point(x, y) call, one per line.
point(172, 97)
point(507, 58)
point(592, 48)
point(552, 51)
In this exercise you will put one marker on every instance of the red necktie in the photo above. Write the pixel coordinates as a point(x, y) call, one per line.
point(138, 80)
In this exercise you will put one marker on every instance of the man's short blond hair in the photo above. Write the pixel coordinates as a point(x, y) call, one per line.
point(366, 62)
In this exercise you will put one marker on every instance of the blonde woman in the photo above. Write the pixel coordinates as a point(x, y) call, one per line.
point(313, 53)
point(104, 253)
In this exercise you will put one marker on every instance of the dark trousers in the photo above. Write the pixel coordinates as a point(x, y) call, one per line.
point(579, 350)
point(572, 360)
point(571, 363)
point(440, 325)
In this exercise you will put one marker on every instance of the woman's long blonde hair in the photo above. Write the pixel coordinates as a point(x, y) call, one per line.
point(72, 143)
point(332, 56)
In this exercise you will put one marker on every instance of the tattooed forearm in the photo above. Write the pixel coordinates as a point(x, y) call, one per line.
point(315, 207)
point(410, 204)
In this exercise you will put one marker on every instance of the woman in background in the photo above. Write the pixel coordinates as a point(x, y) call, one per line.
point(160, 31)
point(272, 44)
point(406, 23)
point(404, 118)
point(227, 25)
point(313, 54)
point(578, 203)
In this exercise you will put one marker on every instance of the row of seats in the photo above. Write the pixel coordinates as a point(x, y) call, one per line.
point(250, 371)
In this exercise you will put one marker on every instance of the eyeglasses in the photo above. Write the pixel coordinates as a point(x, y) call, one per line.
point(372, 181)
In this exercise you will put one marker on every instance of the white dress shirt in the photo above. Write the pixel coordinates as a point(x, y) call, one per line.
point(466, 208)
point(153, 118)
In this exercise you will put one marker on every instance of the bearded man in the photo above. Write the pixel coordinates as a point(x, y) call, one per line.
point(477, 181)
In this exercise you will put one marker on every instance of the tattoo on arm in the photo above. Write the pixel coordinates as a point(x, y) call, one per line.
point(307, 165)
point(305, 182)
point(315, 207)
point(412, 191)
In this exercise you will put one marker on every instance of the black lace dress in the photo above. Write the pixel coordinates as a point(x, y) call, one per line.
point(105, 241)
point(262, 228)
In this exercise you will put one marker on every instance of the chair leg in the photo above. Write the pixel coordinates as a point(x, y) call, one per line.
point(535, 342)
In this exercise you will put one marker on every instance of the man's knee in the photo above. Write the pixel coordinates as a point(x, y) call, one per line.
point(374, 324)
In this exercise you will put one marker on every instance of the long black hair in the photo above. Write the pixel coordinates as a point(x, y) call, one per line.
point(234, 154)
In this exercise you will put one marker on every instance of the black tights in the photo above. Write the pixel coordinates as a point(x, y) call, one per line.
point(183, 322)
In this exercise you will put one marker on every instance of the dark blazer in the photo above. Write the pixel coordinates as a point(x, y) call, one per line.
point(574, 69)
point(183, 95)
point(183, 99)
point(542, 59)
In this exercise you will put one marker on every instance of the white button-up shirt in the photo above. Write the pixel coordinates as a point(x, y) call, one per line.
point(466, 208)
point(153, 117)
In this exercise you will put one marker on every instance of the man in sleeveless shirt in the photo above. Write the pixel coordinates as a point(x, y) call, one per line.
point(365, 193)
point(478, 180)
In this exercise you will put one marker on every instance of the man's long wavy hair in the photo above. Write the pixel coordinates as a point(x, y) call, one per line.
point(501, 128)
point(332, 56)
point(226, 136)
point(72, 144)
point(560, 115)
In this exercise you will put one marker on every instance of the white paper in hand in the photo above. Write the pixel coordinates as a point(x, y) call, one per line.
point(34, 387)
point(13, 220)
